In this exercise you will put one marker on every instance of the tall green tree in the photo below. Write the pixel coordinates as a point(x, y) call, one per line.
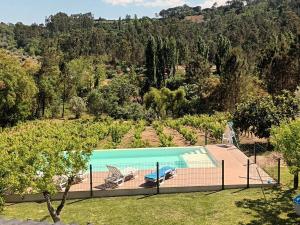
point(202, 48)
point(151, 63)
point(17, 90)
point(233, 69)
point(223, 48)
point(48, 78)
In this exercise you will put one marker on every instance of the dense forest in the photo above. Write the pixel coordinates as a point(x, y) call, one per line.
point(187, 61)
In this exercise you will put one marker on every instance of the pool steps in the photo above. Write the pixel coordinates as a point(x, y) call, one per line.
point(197, 158)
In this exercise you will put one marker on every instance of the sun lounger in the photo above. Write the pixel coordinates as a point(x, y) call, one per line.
point(118, 177)
point(163, 174)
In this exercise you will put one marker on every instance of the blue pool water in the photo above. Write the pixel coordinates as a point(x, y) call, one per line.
point(145, 158)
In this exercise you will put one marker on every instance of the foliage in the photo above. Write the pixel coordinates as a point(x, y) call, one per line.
point(161, 59)
point(165, 102)
point(77, 106)
point(260, 114)
point(137, 138)
point(213, 124)
point(221, 53)
point(33, 154)
point(117, 131)
point(286, 139)
point(17, 90)
point(188, 134)
point(165, 140)
point(279, 65)
point(115, 99)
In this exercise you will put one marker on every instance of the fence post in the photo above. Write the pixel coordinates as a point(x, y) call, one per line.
point(223, 177)
point(278, 175)
point(157, 177)
point(248, 172)
point(255, 152)
point(205, 137)
point(91, 180)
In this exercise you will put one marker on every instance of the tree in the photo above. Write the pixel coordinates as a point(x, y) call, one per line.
point(172, 56)
point(77, 106)
point(161, 64)
point(150, 63)
point(17, 90)
point(197, 70)
point(286, 139)
point(223, 47)
point(48, 78)
point(202, 48)
point(260, 114)
point(165, 102)
point(31, 161)
point(278, 65)
point(81, 73)
point(233, 69)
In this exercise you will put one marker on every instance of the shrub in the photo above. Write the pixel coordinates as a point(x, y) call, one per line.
point(165, 140)
point(117, 131)
point(137, 141)
point(77, 106)
point(188, 134)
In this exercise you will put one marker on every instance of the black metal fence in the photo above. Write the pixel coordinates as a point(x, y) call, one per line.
point(261, 154)
point(198, 174)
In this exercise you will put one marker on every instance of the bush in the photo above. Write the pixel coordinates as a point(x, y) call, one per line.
point(77, 106)
point(117, 132)
point(188, 134)
point(137, 141)
point(214, 124)
point(259, 115)
point(165, 140)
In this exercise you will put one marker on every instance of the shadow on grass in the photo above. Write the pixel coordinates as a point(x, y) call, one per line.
point(45, 218)
point(146, 196)
point(212, 192)
point(76, 201)
point(277, 208)
point(261, 148)
point(240, 190)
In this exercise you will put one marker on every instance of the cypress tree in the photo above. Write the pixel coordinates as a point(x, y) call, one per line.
point(151, 63)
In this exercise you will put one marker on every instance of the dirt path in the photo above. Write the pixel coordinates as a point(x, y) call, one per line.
point(149, 136)
point(127, 139)
point(178, 139)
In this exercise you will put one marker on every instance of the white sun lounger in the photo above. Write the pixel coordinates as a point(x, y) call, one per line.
point(118, 177)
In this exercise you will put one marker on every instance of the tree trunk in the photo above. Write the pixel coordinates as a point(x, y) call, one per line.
point(55, 214)
point(296, 180)
point(65, 195)
point(64, 99)
point(51, 210)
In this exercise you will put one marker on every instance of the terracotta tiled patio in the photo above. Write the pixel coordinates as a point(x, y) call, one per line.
point(235, 173)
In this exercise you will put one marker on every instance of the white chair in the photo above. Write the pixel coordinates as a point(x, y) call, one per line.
point(227, 139)
point(118, 177)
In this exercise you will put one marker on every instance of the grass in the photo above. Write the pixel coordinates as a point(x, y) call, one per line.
point(246, 206)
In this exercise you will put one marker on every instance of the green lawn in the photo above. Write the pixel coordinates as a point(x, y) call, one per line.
point(229, 207)
point(251, 206)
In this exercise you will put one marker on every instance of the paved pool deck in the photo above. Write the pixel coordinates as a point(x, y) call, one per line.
point(235, 174)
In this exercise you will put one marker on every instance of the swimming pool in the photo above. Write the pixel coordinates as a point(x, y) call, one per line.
point(146, 158)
